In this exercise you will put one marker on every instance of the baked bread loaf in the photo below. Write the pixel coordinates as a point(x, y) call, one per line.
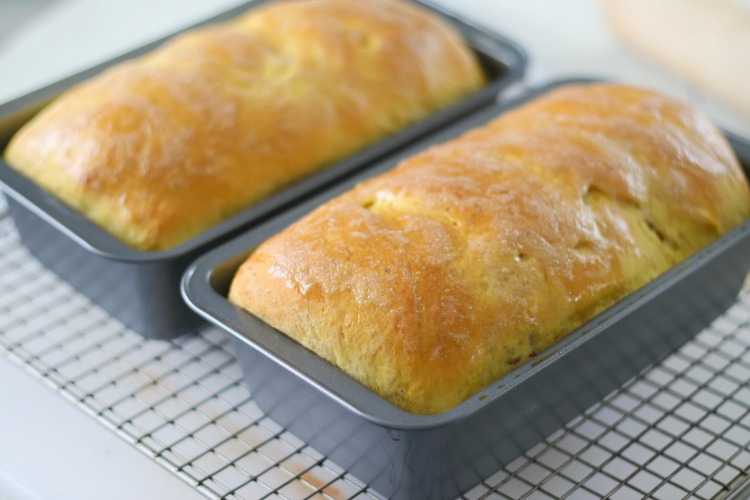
point(433, 280)
point(158, 149)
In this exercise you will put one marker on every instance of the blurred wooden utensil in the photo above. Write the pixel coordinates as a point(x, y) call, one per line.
point(707, 42)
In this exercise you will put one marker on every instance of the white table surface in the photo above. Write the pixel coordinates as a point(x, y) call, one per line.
point(49, 448)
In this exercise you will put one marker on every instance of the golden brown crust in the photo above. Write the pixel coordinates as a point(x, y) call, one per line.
point(158, 149)
point(431, 281)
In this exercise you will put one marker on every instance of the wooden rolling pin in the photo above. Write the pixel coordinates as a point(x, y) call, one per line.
point(707, 42)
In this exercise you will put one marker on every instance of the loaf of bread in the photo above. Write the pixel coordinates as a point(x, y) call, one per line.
point(433, 280)
point(158, 149)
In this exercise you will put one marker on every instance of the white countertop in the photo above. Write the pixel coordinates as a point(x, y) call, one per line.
point(49, 448)
point(52, 450)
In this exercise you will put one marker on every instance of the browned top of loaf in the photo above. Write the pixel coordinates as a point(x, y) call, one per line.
point(431, 281)
point(158, 149)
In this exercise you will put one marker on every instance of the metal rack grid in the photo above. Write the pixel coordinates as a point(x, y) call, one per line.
point(679, 429)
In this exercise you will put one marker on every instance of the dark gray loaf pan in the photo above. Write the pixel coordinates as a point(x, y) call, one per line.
point(141, 289)
point(403, 455)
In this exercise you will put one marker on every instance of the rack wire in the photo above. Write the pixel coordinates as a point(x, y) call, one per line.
point(680, 429)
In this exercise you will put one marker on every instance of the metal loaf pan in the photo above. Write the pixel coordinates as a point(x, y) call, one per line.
point(403, 455)
point(141, 289)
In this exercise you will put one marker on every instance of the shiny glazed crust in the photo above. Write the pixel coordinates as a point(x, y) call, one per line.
point(433, 280)
point(159, 149)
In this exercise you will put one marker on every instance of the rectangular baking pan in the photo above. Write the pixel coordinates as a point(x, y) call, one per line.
point(404, 455)
point(141, 289)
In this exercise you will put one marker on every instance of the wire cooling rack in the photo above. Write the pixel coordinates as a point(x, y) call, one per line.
point(680, 429)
